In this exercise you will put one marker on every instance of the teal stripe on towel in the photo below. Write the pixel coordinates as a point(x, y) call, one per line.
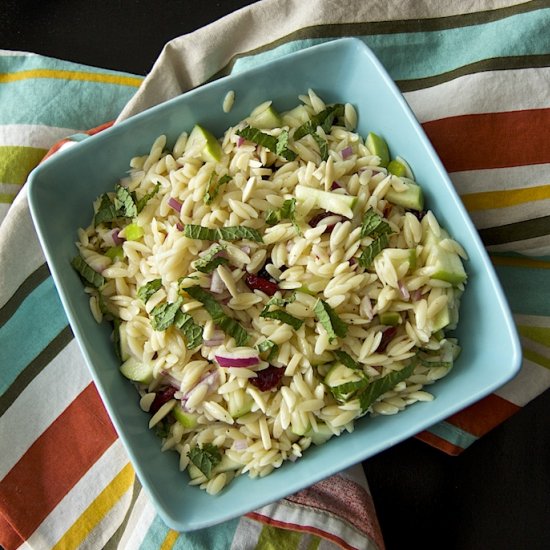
point(414, 55)
point(452, 434)
point(37, 321)
point(71, 103)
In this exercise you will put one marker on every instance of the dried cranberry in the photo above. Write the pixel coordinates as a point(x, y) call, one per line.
point(314, 222)
point(268, 378)
point(335, 185)
point(387, 336)
point(418, 213)
point(161, 397)
point(254, 282)
point(264, 273)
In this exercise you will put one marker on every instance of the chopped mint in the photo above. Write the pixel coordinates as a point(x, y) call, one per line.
point(371, 251)
point(346, 359)
point(116, 339)
point(268, 345)
point(328, 318)
point(148, 289)
point(344, 392)
point(286, 212)
point(87, 273)
point(283, 316)
point(279, 145)
point(140, 203)
point(374, 225)
point(213, 187)
point(282, 148)
point(235, 233)
point(211, 260)
point(163, 315)
point(205, 458)
point(325, 119)
point(382, 385)
point(218, 315)
point(125, 203)
point(106, 211)
point(192, 331)
point(323, 145)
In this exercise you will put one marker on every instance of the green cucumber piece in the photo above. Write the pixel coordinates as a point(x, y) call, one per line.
point(237, 412)
point(397, 168)
point(327, 200)
point(137, 371)
point(267, 119)
point(389, 318)
point(448, 264)
point(378, 146)
point(211, 150)
point(186, 419)
point(321, 435)
point(411, 198)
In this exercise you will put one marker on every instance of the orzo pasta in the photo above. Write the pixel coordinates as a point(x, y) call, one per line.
point(269, 288)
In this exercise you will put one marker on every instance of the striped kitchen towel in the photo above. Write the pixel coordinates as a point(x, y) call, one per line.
point(479, 82)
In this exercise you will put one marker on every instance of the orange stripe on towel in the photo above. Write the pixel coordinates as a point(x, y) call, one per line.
point(56, 461)
point(481, 141)
point(481, 417)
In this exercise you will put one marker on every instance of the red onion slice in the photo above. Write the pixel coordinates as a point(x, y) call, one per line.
point(175, 204)
point(237, 360)
point(403, 290)
point(347, 152)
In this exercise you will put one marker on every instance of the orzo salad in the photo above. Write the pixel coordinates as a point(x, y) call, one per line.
point(269, 288)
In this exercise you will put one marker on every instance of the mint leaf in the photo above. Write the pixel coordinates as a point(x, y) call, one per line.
point(124, 202)
point(268, 345)
point(348, 390)
point(370, 252)
point(280, 314)
point(284, 317)
point(323, 145)
point(238, 233)
point(382, 385)
point(209, 261)
point(116, 339)
point(87, 273)
point(191, 331)
point(218, 315)
point(205, 458)
point(235, 233)
point(140, 203)
point(200, 232)
point(279, 145)
point(282, 149)
point(148, 289)
point(325, 119)
point(163, 315)
point(346, 360)
point(286, 212)
point(328, 318)
point(214, 188)
point(257, 136)
point(374, 225)
point(106, 211)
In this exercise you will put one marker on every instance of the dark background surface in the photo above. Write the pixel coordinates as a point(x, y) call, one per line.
point(496, 495)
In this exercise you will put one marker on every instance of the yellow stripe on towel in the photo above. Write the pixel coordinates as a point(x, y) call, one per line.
point(169, 540)
point(71, 75)
point(501, 199)
point(97, 510)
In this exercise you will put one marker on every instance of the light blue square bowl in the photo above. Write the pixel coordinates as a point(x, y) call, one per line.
point(61, 192)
